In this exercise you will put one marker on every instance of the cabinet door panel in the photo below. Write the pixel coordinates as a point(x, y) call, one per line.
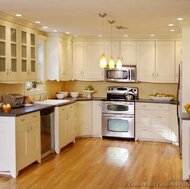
point(165, 61)
point(146, 61)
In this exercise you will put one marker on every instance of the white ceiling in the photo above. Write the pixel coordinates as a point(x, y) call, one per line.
point(81, 17)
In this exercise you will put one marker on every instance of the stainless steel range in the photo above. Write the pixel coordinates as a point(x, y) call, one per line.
point(118, 112)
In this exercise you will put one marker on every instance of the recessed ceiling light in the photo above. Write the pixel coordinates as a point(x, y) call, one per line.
point(37, 22)
point(67, 33)
point(99, 35)
point(170, 24)
point(179, 19)
point(125, 35)
point(152, 35)
point(75, 35)
point(18, 15)
point(172, 30)
point(45, 27)
point(54, 30)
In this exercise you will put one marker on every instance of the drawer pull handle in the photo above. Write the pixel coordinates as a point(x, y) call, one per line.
point(159, 106)
point(144, 115)
point(34, 116)
point(144, 129)
point(160, 131)
point(23, 119)
point(143, 105)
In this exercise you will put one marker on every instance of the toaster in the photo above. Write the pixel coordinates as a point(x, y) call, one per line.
point(15, 100)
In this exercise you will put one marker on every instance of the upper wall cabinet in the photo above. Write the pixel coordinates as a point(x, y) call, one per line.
point(28, 54)
point(178, 58)
point(59, 57)
point(155, 61)
point(18, 50)
point(86, 61)
point(128, 52)
point(9, 62)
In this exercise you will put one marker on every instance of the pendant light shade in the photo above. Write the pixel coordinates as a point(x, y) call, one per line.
point(103, 62)
point(111, 63)
point(118, 64)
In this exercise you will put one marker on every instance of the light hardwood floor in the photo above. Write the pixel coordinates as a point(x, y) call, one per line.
point(93, 163)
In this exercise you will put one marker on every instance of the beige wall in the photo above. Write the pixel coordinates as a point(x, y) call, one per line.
point(53, 87)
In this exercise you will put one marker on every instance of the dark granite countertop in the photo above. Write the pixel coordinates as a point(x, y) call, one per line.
point(185, 116)
point(37, 107)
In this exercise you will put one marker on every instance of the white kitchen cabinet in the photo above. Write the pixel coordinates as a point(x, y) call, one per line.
point(28, 137)
point(85, 119)
point(59, 57)
point(20, 143)
point(28, 47)
point(174, 124)
point(178, 58)
point(155, 61)
point(152, 122)
point(128, 52)
point(9, 52)
point(165, 64)
point(86, 61)
point(146, 55)
point(185, 149)
point(97, 118)
point(65, 130)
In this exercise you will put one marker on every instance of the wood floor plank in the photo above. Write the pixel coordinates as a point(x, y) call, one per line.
point(94, 163)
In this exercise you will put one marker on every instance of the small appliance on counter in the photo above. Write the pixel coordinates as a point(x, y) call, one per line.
point(15, 100)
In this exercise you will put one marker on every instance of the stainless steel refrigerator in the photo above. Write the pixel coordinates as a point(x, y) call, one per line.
point(179, 108)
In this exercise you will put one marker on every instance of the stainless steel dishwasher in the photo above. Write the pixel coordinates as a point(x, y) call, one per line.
point(47, 131)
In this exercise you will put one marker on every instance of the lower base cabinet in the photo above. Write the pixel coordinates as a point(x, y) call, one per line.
point(153, 122)
point(65, 126)
point(20, 143)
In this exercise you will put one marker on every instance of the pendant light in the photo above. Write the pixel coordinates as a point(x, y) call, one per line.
point(103, 62)
point(119, 63)
point(111, 61)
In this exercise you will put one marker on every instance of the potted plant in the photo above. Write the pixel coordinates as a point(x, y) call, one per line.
point(34, 84)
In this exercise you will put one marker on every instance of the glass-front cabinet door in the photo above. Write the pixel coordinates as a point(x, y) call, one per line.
point(28, 54)
point(9, 70)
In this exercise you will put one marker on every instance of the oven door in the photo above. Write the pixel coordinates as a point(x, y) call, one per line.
point(116, 125)
point(117, 107)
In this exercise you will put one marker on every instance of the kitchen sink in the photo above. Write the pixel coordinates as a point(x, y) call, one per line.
point(52, 102)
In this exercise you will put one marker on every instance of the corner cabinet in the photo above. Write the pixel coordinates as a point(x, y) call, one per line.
point(20, 143)
point(59, 57)
point(65, 126)
point(86, 61)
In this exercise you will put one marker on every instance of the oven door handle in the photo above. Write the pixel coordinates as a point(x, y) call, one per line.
point(118, 116)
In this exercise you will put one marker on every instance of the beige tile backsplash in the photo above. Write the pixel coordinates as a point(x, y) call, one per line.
point(53, 87)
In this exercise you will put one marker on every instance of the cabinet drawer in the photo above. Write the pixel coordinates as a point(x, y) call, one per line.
point(152, 117)
point(151, 106)
point(152, 134)
point(66, 108)
point(27, 118)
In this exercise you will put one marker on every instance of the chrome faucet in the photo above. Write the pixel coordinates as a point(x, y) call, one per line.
point(41, 95)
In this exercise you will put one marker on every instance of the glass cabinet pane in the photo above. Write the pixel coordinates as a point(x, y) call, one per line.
point(23, 37)
point(13, 35)
point(14, 65)
point(32, 39)
point(32, 53)
point(24, 66)
point(2, 64)
point(2, 48)
point(33, 66)
point(13, 50)
point(24, 52)
point(2, 32)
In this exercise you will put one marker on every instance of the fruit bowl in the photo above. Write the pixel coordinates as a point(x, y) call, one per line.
point(187, 108)
point(88, 93)
point(6, 107)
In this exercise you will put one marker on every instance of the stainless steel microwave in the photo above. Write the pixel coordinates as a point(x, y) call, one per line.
point(124, 74)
